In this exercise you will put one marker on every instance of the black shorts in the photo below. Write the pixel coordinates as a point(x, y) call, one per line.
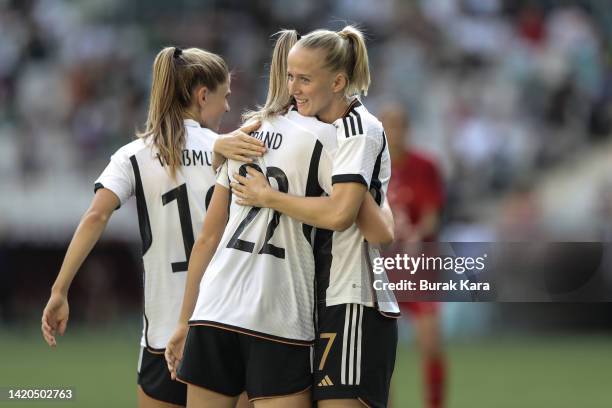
point(354, 354)
point(228, 362)
point(154, 379)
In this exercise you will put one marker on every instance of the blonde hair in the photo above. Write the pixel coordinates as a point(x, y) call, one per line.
point(278, 98)
point(176, 73)
point(345, 51)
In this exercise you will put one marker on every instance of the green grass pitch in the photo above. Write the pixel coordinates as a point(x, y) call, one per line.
point(515, 372)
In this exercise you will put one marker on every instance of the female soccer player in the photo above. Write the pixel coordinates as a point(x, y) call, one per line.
point(357, 335)
point(168, 169)
point(248, 321)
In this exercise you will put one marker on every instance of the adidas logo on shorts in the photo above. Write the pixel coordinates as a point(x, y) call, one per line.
point(325, 382)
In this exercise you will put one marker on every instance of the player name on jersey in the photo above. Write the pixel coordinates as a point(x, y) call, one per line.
point(272, 140)
point(191, 158)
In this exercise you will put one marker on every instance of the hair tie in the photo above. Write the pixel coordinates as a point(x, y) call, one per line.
point(177, 52)
point(299, 37)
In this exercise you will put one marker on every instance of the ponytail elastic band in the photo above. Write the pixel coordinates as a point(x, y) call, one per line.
point(177, 52)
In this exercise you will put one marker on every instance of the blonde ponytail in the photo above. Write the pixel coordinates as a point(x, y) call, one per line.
point(176, 74)
point(278, 98)
point(345, 51)
point(359, 75)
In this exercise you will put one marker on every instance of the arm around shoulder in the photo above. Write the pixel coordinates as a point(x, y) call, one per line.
point(336, 212)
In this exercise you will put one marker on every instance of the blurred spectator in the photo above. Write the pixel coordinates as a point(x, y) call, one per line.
point(521, 218)
point(416, 197)
point(531, 25)
point(416, 187)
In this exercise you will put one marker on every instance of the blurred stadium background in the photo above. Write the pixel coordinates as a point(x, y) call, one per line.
point(511, 99)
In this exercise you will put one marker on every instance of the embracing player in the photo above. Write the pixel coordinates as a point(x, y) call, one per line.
point(247, 322)
point(356, 328)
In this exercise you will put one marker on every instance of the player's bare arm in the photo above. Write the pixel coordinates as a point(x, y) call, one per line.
point(93, 223)
point(376, 222)
point(201, 254)
point(336, 212)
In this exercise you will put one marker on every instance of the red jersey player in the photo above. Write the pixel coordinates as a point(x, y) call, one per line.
point(416, 196)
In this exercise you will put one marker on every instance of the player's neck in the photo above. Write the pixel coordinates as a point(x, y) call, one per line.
point(337, 109)
point(193, 115)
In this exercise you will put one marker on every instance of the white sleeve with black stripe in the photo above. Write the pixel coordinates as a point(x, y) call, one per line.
point(118, 176)
point(357, 151)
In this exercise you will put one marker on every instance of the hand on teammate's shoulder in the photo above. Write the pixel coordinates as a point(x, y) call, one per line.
point(239, 145)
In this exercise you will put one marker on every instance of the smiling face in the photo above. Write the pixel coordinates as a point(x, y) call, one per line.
point(213, 105)
point(316, 89)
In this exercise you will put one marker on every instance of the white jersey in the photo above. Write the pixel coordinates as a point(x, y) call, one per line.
point(260, 280)
point(344, 259)
point(170, 216)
